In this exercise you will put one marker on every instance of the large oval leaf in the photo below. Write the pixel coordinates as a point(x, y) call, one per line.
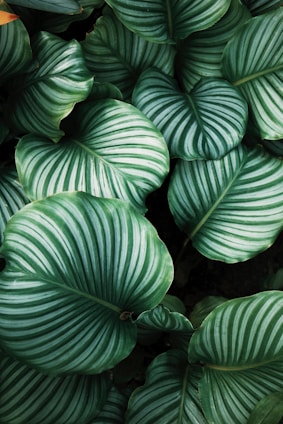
point(231, 208)
point(13, 59)
point(112, 151)
point(12, 196)
point(44, 96)
point(253, 62)
point(27, 396)
point(115, 54)
point(204, 124)
point(74, 264)
point(170, 393)
point(200, 54)
point(165, 21)
point(241, 346)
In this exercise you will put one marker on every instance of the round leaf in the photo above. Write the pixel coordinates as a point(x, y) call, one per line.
point(48, 93)
point(240, 344)
point(253, 62)
point(231, 208)
point(76, 267)
point(113, 151)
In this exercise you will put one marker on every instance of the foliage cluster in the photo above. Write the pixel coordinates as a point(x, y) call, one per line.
point(182, 90)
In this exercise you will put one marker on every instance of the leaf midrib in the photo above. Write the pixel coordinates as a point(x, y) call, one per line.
point(256, 75)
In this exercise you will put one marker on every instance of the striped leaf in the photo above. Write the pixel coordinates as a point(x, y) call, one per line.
point(79, 266)
point(232, 208)
point(54, 6)
point(253, 62)
point(257, 7)
point(240, 345)
point(27, 396)
point(200, 54)
point(268, 410)
point(165, 21)
point(113, 411)
point(112, 151)
point(48, 93)
point(170, 393)
point(13, 60)
point(204, 124)
point(115, 54)
point(12, 197)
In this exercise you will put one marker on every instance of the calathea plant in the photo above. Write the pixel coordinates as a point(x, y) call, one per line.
point(91, 329)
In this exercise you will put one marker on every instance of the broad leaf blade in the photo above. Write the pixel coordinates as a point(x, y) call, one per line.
point(241, 346)
point(112, 151)
point(165, 21)
point(204, 124)
point(253, 62)
point(170, 393)
point(115, 54)
point(48, 93)
point(77, 263)
point(257, 7)
point(268, 410)
point(232, 208)
point(27, 396)
point(55, 6)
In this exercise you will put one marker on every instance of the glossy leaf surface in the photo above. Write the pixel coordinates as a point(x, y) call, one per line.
point(27, 396)
point(47, 94)
point(204, 124)
point(115, 54)
point(170, 393)
point(55, 6)
point(113, 151)
point(232, 208)
point(76, 267)
point(253, 62)
point(165, 21)
point(241, 346)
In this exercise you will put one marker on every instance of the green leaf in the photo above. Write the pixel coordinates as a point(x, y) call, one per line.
point(253, 62)
point(200, 54)
point(165, 21)
point(203, 308)
point(257, 7)
point(112, 151)
point(27, 396)
point(48, 93)
point(115, 54)
point(231, 208)
point(204, 124)
point(170, 393)
point(14, 46)
point(241, 346)
point(55, 6)
point(104, 90)
point(113, 411)
point(76, 268)
point(174, 304)
point(12, 196)
point(268, 410)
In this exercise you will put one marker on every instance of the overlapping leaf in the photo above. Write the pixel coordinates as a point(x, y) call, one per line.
point(231, 208)
point(165, 21)
point(115, 54)
point(257, 7)
point(200, 54)
point(12, 196)
point(113, 410)
point(27, 396)
point(78, 265)
point(55, 6)
point(13, 60)
point(170, 393)
point(44, 96)
point(204, 124)
point(113, 151)
point(253, 62)
point(241, 346)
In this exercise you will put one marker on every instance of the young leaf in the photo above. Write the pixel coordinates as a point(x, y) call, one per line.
point(240, 345)
point(48, 93)
point(28, 396)
point(203, 308)
point(165, 21)
point(257, 7)
point(231, 208)
point(170, 393)
point(115, 54)
point(113, 151)
point(76, 268)
point(204, 124)
point(253, 62)
point(6, 17)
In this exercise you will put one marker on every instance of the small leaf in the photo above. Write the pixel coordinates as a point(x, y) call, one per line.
point(113, 411)
point(6, 17)
point(203, 308)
